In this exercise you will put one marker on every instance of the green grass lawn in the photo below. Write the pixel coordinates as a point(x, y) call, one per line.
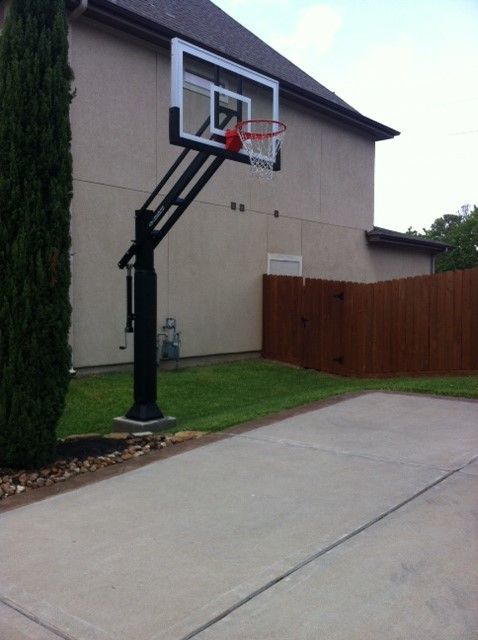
point(211, 398)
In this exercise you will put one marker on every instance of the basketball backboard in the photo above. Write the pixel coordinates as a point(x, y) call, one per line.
point(210, 95)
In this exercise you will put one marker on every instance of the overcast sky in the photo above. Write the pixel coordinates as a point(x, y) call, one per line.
point(410, 64)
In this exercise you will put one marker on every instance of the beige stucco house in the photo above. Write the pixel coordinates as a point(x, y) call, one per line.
point(315, 219)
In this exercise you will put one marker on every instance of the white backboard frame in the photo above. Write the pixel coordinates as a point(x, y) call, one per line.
point(179, 48)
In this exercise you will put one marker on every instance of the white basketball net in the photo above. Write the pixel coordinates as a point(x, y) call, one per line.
point(262, 140)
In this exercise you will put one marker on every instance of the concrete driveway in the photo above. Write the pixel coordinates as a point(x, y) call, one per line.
point(354, 521)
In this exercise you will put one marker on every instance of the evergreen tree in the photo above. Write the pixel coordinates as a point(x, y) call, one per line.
point(35, 195)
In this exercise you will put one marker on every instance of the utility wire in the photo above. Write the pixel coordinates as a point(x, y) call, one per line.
point(464, 133)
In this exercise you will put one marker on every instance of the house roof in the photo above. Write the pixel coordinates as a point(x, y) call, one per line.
point(205, 24)
point(379, 235)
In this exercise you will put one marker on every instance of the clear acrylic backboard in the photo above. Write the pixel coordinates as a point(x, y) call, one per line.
point(211, 95)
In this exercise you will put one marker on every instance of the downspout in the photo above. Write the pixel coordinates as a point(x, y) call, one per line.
point(79, 10)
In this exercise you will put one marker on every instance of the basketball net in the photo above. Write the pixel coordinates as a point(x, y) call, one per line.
point(262, 139)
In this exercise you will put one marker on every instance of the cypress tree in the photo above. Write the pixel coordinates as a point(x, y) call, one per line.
point(35, 195)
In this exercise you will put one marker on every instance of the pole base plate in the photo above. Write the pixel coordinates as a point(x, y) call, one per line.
point(122, 424)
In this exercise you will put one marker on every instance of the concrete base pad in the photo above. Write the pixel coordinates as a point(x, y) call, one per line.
point(125, 425)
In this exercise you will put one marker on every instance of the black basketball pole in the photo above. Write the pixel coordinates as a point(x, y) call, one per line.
point(144, 408)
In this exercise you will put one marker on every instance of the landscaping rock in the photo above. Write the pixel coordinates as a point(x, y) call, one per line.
point(117, 436)
point(75, 458)
point(8, 489)
point(183, 436)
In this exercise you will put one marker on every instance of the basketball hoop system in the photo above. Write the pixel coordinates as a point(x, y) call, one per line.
point(262, 139)
point(230, 94)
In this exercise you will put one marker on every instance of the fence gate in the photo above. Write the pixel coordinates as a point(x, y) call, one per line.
point(323, 321)
point(304, 323)
point(283, 335)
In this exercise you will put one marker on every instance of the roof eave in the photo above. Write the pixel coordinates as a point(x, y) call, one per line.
point(352, 118)
point(112, 15)
point(430, 246)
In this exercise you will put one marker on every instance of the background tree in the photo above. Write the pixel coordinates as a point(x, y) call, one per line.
point(459, 230)
point(35, 195)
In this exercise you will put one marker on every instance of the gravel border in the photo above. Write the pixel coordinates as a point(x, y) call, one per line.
point(123, 447)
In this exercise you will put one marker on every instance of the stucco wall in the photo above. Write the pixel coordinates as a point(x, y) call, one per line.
point(210, 266)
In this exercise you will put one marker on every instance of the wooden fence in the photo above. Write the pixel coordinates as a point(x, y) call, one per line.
point(425, 324)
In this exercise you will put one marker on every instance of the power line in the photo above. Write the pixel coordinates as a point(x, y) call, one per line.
point(464, 133)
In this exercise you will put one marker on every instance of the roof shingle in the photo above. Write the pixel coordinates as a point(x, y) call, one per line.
point(204, 22)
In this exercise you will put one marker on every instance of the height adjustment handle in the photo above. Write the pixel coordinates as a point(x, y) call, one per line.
point(129, 307)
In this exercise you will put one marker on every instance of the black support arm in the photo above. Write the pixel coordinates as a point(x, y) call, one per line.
point(168, 201)
point(173, 196)
point(202, 181)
